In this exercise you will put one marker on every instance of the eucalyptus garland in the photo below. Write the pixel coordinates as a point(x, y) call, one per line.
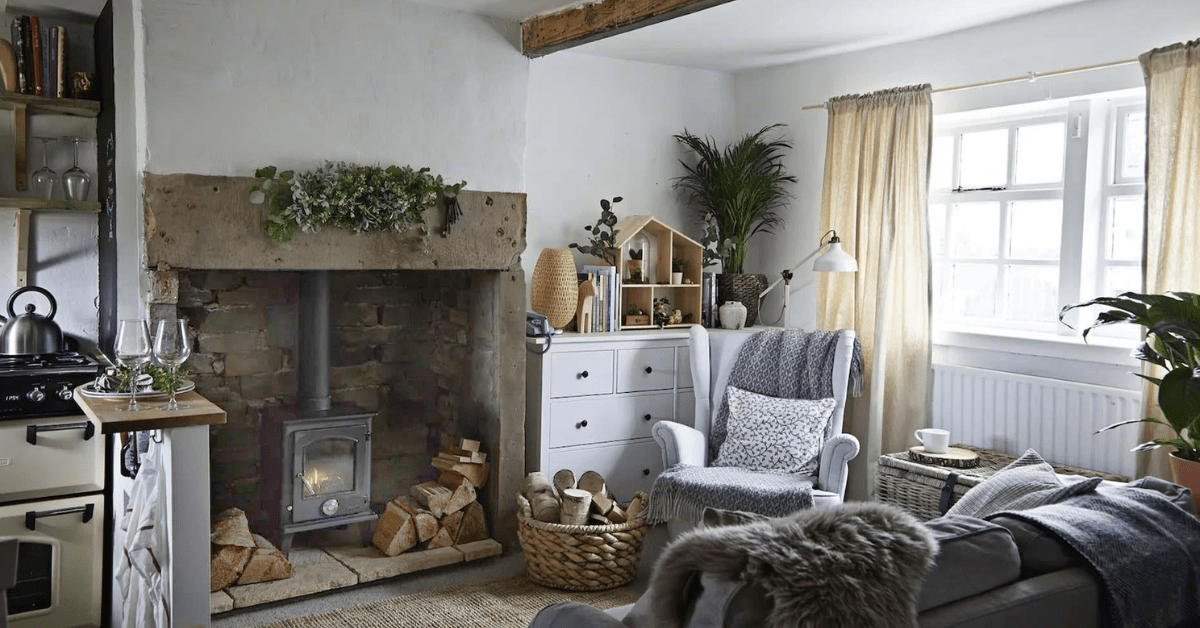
point(350, 196)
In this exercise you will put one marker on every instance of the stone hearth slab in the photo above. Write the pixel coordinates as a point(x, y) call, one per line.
point(480, 549)
point(313, 571)
point(370, 564)
point(219, 602)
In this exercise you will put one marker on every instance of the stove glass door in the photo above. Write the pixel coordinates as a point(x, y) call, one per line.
point(329, 471)
point(328, 466)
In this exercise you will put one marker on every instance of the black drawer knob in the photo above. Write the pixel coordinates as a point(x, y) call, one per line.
point(647, 417)
point(645, 471)
point(583, 423)
point(584, 374)
point(649, 370)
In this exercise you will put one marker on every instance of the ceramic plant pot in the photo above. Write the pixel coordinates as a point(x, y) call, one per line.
point(1186, 473)
point(733, 315)
point(676, 279)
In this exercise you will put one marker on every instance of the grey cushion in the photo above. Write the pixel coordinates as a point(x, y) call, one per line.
point(1041, 552)
point(1027, 483)
point(574, 615)
point(973, 556)
point(773, 434)
point(716, 517)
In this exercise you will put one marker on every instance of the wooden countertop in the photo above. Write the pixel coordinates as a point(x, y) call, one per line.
point(200, 411)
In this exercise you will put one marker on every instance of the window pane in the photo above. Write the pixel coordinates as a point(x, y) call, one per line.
point(984, 159)
point(1034, 229)
point(1132, 163)
point(1031, 293)
point(973, 291)
point(1118, 279)
point(1126, 218)
point(1040, 154)
point(937, 230)
point(940, 171)
point(975, 230)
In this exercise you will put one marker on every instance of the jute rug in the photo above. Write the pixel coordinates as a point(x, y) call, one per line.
point(509, 603)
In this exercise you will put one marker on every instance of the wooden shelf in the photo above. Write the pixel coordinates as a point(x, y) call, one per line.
point(58, 204)
point(45, 104)
point(200, 411)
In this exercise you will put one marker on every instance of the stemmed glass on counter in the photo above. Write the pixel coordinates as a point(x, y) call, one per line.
point(172, 348)
point(133, 352)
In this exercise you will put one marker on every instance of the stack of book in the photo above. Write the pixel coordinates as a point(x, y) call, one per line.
point(605, 286)
point(42, 64)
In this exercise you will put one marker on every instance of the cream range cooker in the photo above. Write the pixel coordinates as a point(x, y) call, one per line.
point(52, 492)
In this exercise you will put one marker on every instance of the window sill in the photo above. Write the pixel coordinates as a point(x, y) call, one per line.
point(1102, 350)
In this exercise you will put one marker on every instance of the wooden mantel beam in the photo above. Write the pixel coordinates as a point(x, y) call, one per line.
point(575, 26)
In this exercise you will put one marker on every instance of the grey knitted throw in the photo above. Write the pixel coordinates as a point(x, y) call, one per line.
point(1144, 550)
point(784, 363)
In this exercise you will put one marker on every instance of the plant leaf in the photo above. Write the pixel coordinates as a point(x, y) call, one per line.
point(1179, 398)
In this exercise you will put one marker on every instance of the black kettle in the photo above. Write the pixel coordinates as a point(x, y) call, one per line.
point(30, 333)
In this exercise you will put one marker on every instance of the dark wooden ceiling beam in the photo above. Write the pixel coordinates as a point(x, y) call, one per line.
point(576, 26)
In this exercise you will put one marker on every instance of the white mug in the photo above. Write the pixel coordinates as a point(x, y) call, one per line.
point(935, 441)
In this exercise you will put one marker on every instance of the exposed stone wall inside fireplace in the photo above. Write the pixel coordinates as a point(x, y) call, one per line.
point(400, 347)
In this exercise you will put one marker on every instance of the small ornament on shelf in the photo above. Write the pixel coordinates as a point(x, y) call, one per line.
point(677, 266)
point(635, 316)
point(662, 311)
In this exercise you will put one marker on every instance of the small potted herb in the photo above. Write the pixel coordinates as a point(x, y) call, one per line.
point(636, 316)
point(676, 271)
point(634, 265)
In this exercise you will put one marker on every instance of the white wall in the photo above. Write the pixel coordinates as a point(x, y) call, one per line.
point(1089, 33)
point(602, 127)
point(232, 85)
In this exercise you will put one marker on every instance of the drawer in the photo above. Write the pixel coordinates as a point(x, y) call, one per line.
point(585, 422)
point(628, 468)
point(61, 462)
point(683, 366)
point(578, 373)
point(645, 369)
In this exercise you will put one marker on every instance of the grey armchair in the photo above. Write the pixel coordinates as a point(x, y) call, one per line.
point(713, 355)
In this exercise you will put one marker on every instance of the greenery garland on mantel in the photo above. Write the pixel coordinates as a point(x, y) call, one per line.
point(351, 196)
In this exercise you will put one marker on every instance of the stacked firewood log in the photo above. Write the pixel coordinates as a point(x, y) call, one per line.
point(565, 500)
point(438, 513)
point(240, 557)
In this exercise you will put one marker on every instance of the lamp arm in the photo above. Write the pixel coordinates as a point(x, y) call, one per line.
point(787, 274)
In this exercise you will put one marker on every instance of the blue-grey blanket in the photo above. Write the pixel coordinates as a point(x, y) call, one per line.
point(1143, 548)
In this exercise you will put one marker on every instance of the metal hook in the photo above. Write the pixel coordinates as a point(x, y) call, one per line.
point(156, 436)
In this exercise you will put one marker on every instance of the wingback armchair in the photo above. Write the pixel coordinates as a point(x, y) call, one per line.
point(713, 355)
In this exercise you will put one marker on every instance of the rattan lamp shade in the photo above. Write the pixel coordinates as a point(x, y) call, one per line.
point(554, 290)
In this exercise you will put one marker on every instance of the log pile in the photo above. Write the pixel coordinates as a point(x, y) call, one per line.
point(442, 512)
point(566, 500)
point(241, 557)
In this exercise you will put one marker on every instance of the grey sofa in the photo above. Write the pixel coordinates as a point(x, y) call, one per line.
point(999, 573)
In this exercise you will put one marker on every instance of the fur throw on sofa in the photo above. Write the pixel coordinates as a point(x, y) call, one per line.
point(857, 565)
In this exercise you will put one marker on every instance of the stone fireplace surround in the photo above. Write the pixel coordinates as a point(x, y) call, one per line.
point(430, 340)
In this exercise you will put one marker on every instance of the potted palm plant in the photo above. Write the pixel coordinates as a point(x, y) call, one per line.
point(739, 192)
point(1172, 323)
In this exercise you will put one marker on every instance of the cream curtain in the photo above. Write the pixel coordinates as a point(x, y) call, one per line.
point(875, 196)
point(1171, 259)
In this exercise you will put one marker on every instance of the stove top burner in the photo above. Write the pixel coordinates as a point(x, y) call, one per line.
point(47, 361)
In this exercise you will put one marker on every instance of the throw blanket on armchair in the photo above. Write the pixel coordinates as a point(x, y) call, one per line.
point(1144, 549)
point(784, 363)
point(857, 565)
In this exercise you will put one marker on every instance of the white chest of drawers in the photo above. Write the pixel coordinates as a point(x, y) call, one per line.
point(591, 399)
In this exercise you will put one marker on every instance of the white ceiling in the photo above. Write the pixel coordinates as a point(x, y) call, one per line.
point(757, 33)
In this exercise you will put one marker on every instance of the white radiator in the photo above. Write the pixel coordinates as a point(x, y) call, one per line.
point(1011, 413)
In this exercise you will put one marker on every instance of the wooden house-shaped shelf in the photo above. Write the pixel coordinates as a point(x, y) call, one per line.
point(659, 245)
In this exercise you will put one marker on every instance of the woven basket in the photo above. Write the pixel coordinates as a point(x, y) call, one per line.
point(554, 289)
point(582, 558)
point(744, 289)
point(917, 487)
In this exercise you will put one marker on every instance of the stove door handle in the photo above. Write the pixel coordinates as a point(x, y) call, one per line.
point(32, 516)
point(31, 432)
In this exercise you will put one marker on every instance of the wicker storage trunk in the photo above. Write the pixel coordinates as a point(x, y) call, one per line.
point(582, 558)
point(917, 487)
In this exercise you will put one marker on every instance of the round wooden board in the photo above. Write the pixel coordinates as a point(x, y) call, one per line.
point(954, 457)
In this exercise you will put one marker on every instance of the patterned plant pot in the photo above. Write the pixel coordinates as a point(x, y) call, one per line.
point(744, 289)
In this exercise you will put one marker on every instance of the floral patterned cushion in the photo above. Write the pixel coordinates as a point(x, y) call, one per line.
point(773, 434)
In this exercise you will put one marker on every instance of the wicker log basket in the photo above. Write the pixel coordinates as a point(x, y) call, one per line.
point(585, 557)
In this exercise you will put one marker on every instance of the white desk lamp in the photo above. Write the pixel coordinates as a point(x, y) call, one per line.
point(835, 260)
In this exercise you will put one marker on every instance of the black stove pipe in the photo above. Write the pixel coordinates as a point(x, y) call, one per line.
point(313, 342)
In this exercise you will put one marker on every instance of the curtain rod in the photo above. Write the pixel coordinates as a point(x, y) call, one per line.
point(1031, 77)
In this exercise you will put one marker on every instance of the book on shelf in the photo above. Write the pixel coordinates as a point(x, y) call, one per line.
point(62, 78)
point(35, 44)
point(607, 291)
point(18, 41)
point(43, 64)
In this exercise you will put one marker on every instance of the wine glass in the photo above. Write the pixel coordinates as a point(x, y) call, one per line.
point(133, 350)
point(44, 178)
point(75, 180)
point(172, 348)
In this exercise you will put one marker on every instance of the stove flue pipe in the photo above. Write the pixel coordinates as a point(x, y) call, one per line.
point(313, 342)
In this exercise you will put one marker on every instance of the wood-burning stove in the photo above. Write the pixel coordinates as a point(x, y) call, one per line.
point(316, 454)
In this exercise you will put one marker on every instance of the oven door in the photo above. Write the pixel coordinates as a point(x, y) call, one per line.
point(50, 456)
point(58, 561)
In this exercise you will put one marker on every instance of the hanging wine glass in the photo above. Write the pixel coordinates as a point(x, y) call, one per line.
point(44, 179)
point(75, 180)
point(172, 348)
